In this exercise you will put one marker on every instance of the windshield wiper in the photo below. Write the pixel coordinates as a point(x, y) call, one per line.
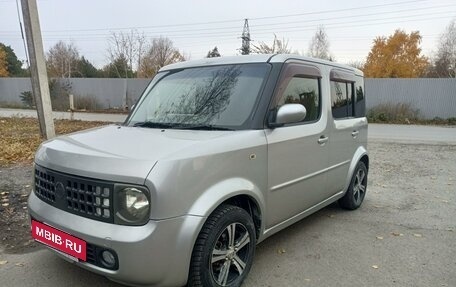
point(205, 127)
point(154, 125)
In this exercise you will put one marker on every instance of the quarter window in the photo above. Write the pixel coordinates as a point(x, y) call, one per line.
point(360, 103)
point(342, 99)
point(304, 91)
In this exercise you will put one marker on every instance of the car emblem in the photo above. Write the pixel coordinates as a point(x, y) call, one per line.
point(59, 190)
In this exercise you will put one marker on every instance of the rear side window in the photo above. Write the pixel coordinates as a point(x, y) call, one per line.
point(360, 98)
point(304, 91)
point(347, 94)
point(342, 99)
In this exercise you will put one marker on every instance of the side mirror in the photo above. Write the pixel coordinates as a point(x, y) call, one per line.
point(289, 113)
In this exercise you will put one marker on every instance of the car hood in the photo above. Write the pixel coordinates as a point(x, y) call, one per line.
point(123, 154)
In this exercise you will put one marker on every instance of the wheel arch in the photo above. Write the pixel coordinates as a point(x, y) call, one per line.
point(362, 155)
point(235, 191)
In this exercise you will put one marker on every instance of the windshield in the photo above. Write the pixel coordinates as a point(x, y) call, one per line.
point(221, 97)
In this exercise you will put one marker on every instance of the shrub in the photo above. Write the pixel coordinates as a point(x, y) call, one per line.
point(27, 99)
point(87, 102)
point(59, 91)
point(393, 113)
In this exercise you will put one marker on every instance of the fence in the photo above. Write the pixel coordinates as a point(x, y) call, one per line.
point(432, 97)
point(109, 93)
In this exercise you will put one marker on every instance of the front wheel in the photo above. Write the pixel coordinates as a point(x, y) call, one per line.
point(357, 188)
point(224, 250)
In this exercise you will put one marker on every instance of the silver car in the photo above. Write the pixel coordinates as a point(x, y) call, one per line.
point(217, 155)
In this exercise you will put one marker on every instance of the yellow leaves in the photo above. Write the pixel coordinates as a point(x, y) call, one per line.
point(21, 137)
point(398, 56)
point(3, 64)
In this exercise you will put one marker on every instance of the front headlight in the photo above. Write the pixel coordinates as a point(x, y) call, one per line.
point(133, 205)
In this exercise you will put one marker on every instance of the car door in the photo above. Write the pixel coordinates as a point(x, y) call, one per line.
point(297, 153)
point(345, 128)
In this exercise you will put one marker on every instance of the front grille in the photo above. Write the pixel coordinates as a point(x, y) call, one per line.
point(82, 196)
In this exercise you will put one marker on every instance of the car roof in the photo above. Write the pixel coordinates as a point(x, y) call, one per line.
point(257, 58)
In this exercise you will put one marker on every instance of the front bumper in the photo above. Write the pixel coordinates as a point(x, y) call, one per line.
point(157, 253)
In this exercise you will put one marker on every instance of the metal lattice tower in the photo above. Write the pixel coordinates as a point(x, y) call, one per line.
point(245, 48)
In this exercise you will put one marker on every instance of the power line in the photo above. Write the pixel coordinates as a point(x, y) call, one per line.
point(279, 29)
point(281, 23)
point(238, 20)
point(22, 34)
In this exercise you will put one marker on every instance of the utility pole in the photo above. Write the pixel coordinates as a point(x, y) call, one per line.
point(245, 48)
point(39, 77)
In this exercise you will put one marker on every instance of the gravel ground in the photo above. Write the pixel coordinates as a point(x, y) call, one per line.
point(403, 235)
point(15, 186)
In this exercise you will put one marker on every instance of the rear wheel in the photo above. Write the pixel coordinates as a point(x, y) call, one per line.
point(223, 253)
point(356, 192)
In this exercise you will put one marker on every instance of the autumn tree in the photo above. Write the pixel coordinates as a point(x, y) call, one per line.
point(213, 53)
point(398, 56)
point(3, 63)
point(125, 52)
point(319, 46)
point(161, 53)
point(444, 64)
point(13, 64)
point(62, 60)
point(277, 47)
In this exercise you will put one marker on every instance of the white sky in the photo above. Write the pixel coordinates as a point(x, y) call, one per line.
point(351, 24)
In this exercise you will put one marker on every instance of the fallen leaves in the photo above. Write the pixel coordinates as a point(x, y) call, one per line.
point(21, 137)
point(3, 262)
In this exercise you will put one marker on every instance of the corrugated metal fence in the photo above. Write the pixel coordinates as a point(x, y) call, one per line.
point(432, 97)
point(109, 93)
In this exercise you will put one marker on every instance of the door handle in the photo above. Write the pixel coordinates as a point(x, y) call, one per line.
point(322, 140)
point(355, 134)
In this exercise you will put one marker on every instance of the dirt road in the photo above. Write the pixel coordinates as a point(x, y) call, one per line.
point(403, 235)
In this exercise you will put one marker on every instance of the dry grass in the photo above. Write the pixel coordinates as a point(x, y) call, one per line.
point(20, 137)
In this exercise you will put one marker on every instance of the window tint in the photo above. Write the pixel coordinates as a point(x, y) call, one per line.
point(342, 99)
point(222, 96)
point(360, 99)
point(303, 91)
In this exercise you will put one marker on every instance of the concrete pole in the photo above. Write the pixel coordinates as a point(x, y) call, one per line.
point(39, 77)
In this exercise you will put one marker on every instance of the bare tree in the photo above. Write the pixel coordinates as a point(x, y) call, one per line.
point(356, 64)
point(161, 53)
point(319, 46)
point(277, 47)
point(125, 52)
point(62, 60)
point(445, 60)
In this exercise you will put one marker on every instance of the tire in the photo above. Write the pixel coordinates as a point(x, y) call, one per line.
point(356, 192)
point(217, 260)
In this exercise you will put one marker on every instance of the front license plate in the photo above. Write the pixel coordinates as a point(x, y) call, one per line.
point(59, 240)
